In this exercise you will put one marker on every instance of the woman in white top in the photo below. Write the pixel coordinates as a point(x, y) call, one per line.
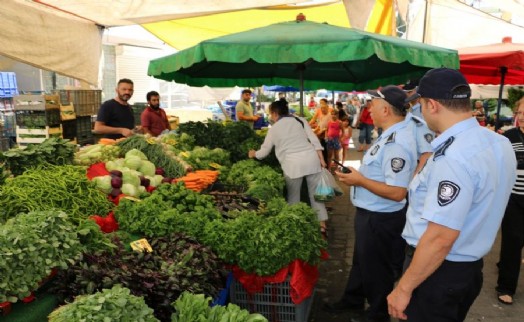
point(299, 152)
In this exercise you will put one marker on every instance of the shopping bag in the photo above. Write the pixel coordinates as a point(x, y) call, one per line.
point(324, 191)
point(334, 184)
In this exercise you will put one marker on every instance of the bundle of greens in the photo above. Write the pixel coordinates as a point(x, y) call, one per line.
point(49, 187)
point(262, 182)
point(265, 244)
point(53, 150)
point(228, 136)
point(115, 304)
point(195, 308)
point(39, 241)
point(206, 159)
point(170, 208)
point(176, 264)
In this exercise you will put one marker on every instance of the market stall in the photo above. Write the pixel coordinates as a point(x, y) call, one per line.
point(186, 211)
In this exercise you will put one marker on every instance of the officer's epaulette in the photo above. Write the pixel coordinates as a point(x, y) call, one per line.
point(391, 138)
point(443, 147)
point(417, 121)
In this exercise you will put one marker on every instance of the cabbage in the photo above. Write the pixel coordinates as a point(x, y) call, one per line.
point(133, 162)
point(111, 165)
point(103, 183)
point(119, 163)
point(147, 168)
point(136, 153)
point(130, 190)
point(131, 178)
point(155, 180)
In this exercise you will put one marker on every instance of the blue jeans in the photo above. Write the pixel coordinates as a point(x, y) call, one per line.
point(365, 133)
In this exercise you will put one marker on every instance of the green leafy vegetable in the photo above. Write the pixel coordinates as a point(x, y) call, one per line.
point(115, 304)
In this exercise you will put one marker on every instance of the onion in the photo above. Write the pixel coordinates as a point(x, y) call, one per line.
point(116, 182)
point(116, 173)
point(115, 192)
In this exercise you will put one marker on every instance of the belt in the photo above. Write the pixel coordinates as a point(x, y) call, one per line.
point(410, 250)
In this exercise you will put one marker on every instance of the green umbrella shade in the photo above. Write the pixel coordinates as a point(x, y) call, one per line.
point(325, 56)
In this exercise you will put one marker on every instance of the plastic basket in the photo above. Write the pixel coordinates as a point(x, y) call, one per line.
point(274, 302)
point(69, 129)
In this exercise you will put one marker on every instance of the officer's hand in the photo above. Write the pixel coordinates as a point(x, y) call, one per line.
point(126, 132)
point(354, 178)
point(398, 300)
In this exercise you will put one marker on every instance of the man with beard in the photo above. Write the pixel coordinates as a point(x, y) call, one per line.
point(115, 118)
point(154, 119)
point(244, 110)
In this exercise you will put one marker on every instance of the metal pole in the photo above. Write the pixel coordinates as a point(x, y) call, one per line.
point(503, 71)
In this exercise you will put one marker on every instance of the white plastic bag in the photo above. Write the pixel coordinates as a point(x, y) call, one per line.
point(324, 190)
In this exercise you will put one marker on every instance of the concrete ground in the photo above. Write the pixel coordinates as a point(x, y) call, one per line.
point(335, 270)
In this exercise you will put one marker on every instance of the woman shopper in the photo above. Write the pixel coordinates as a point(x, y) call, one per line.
point(513, 221)
point(299, 152)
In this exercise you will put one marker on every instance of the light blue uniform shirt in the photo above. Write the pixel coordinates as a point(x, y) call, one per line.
point(392, 160)
point(417, 111)
point(464, 186)
point(421, 133)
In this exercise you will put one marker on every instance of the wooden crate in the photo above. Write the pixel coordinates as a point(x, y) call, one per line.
point(31, 102)
point(38, 135)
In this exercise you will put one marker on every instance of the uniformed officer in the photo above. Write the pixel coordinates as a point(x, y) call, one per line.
point(455, 208)
point(410, 88)
point(379, 191)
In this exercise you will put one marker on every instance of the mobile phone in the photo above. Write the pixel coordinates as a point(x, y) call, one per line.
point(344, 169)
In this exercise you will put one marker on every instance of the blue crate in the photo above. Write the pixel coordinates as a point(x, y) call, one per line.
point(8, 86)
point(223, 294)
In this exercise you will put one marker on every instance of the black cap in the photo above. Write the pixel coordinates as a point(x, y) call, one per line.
point(442, 83)
point(391, 94)
point(410, 85)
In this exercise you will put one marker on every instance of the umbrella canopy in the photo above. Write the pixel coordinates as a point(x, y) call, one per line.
point(482, 64)
point(497, 64)
point(302, 54)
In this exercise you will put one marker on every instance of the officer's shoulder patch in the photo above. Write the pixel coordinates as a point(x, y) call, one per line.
point(428, 137)
point(447, 192)
point(391, 138)
point(374, 150)
point(397, 164)
point(443, 147)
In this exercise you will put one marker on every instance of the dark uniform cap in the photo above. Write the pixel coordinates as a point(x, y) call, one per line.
point(410, 85)
point(442, 83)
point(391, 94)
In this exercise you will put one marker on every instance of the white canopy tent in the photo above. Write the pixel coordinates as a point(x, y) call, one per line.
point(65, 36)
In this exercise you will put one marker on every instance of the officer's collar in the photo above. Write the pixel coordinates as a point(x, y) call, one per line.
point(453, 131)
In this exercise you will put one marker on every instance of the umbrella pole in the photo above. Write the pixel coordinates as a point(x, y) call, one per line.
point(301, 75)
point(503, 71)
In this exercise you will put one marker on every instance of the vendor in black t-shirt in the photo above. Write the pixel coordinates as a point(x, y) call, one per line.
point(115, 118)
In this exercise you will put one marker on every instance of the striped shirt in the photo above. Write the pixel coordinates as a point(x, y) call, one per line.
point(516, 137)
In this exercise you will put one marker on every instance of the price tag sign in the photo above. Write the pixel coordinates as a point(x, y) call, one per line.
point(141, 245)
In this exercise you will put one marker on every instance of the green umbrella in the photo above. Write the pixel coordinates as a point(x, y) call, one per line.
point(302, 54)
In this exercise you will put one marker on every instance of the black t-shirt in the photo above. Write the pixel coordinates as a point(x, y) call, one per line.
point(114, 114)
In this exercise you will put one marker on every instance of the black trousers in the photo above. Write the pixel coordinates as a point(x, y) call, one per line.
point(447, 294)
point(371, 277)
point(511, 245)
